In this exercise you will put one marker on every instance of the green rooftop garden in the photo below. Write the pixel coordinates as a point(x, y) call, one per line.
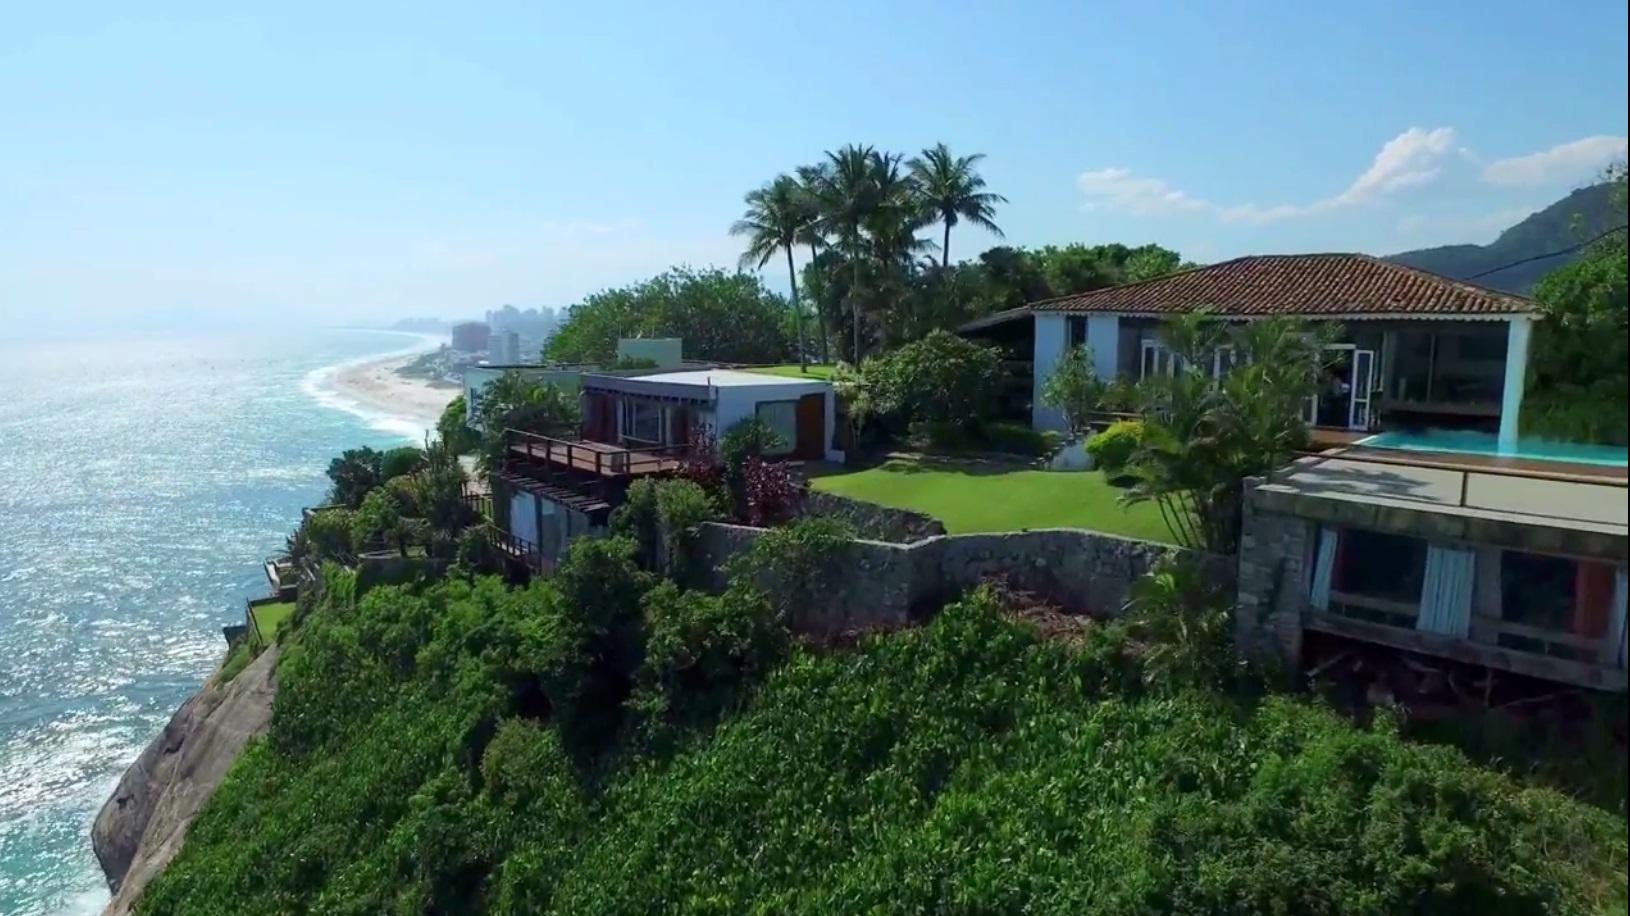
point(814, 372)
point(267, 617)
point(971, 496)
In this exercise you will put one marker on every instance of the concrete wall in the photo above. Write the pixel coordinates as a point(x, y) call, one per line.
point(881, 585)
point(735, 403)
point(1052, 337)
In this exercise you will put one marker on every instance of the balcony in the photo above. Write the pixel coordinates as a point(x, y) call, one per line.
point(597, 458)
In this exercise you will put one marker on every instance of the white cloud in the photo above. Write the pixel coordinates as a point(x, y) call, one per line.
point(1413, 158)
point(1409, 159)
point(1579, 160)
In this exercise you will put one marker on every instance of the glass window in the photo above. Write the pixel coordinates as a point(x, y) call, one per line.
point(642, 422)
point(1379, 572)
point(782, 418)
point(1556, 593)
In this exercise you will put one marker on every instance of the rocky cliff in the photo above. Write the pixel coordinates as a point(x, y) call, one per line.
point(141, 827)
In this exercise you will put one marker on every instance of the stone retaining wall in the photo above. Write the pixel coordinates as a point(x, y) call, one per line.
point(878, 584)
point(872, 521)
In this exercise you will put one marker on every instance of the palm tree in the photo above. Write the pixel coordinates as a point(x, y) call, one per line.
point(778, 217)
point(809, 180)
point(953, 191)
point(845, 191)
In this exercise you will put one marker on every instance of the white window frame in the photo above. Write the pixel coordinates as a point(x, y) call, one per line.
point(628, 418)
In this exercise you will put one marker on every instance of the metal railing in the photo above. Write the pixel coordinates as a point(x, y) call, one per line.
point(520, 549)
point(601, 459)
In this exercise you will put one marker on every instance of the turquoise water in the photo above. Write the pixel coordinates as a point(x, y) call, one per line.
point(142, 481)
point(1473, 443)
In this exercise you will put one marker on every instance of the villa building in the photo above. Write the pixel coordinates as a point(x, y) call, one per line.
point(1413, 349)
point(550, 491)
point(1518, 570)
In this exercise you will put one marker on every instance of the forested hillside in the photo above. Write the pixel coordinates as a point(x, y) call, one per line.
point(1576, 218)
point(604, 743)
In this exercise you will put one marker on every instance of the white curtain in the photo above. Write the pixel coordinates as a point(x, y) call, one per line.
point(1615, 654)
point(1324, 569)
point(1446, 595)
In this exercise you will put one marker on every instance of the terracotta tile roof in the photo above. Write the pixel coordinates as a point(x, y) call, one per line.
point(1299, 284)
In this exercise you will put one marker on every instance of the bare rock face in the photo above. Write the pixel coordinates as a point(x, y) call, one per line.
point(141, 827)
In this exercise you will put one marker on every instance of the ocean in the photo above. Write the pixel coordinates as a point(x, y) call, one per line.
point(142, 483)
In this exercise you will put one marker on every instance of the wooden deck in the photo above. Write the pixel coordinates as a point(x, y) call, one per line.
point(598, 458)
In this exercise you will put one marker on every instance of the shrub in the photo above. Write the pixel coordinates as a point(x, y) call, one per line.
point(794, 563)
point(354, 473)
point(1075, 389)
point(1112, 449)
point(1180, 617)
point(329, 533)
point(700, 648)
point(454, 429)
point(380, 518)
point(771, 492)
point(665, 513)
point(400, 461)
point(404, 489)
point(1019, 439)
point(750, 438)
point(941, 378)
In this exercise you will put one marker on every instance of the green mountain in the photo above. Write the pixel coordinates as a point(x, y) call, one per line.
point(1581, 215)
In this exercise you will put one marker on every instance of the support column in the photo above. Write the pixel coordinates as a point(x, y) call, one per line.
point(1104, 338)
point(1516, 376)
point(1051, 338)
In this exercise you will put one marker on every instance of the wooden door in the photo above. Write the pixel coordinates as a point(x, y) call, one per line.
point(811, 426)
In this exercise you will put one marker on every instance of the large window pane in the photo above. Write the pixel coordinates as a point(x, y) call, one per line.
point(782, 418)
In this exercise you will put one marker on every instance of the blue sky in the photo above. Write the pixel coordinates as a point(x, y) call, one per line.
point(359, 162)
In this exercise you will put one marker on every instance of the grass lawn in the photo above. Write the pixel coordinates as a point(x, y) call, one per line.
point(812, 371)
point(268, 616)
point(973, 496)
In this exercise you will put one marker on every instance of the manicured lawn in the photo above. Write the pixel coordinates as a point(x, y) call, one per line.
point(974, 496)
point(812, 371)
point(268, 616)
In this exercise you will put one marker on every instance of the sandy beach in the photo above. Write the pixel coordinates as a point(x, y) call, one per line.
point(375, 385)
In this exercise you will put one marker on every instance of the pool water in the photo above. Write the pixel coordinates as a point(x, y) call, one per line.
point(1474, 443)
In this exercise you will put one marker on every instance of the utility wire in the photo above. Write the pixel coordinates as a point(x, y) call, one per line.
point(1540, 257)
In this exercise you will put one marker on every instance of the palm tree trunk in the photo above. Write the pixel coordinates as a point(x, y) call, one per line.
point(945, 249)
point(797, 311)
point(820, 316)
point(854, 300)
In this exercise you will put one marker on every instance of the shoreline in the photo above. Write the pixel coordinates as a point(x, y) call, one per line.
point(371, 389)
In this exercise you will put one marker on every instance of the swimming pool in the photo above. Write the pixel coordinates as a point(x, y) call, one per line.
point(1473, 443)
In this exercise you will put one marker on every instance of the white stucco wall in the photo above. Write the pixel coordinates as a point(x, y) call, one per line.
point(1104, 339)
point(1052, 336)
point(740, 402)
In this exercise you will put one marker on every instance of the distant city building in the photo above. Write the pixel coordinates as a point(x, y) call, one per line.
point(471, 336)
point(504, 349)
point(531, 328)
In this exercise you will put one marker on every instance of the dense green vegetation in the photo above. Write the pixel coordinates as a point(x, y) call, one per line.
point(603, 744)
point(724, 316)
point(1579, 369)
point(970, 496)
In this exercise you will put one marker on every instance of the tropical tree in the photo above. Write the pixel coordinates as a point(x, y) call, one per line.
point(953, 190)
point(354, 473)
point(845, 194)
point(778, 217)
point(454, 429)
point(722, 315)
point(809, 178)
point(1075, 389)
point(1203, 434)
point(514, 401)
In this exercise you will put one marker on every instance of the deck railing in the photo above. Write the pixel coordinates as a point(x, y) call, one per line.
point(520, 549)
point(603, 460)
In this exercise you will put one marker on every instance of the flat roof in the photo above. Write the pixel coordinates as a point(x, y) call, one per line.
point(1372, 488)
point(723, 378)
